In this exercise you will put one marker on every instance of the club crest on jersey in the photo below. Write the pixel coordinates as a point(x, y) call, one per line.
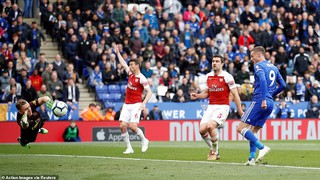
point(136, 80)
point(220, 79)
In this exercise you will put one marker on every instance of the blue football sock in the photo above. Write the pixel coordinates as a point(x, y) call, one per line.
point(250, 136)
point(253, 150)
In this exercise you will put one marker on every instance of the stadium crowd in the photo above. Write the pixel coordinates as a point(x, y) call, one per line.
point(174, 40)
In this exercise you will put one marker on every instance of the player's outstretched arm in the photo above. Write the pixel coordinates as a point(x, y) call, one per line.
point(237, 100)
point(202, 95)
point(24, 121)
point(122, 61)
point(47, 100)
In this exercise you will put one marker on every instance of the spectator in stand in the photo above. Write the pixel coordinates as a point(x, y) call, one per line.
point(110, 114)
point(29, 93)
point(22, 78)
point(187, 36)
point(42, 64)
point(246, 91)
point(43, 92)
point(146, 70)
point(109, 75)
point(71, 73)
point(71, 50)
point(91, 59)
point(71, 133)
point(96, 78)
point(301, 62)
point(4, 80)
point(36, 80)
point(14, 13)
point(300, 89)
point(59, 66)
point(313, 107)
point(91, 113)
point(55, 86)
point(165, 80)
point(145, 116)
point(71, 92)
point(281, 61)
point(283, 111)
point(158, 49)
point(315, 89)
point(180, 96)
point(156, 113)
point(34, 41)
point(13, 97)
point(242, 75)
point(158, 70)
point(290, 98)
point(136, 43)
point(46, 75)
point(23, 63)
point(245, 39)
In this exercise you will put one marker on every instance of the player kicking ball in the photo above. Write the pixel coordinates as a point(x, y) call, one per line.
point(131, 111)
point(29, 120)
point(266, 78)
point(218, 87)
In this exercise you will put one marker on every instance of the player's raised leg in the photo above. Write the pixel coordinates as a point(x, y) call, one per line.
point(244, 130)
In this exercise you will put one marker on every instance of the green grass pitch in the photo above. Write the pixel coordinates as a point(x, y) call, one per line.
point(163, 160)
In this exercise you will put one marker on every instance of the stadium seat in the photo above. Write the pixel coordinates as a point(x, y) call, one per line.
point(123, 88)
point(85, 72)
point(107, 97)
point(112, 88)
point(101, 89)
point(117, 97)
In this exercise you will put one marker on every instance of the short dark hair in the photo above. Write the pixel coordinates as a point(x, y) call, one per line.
point(136, 61)
point(219, 56)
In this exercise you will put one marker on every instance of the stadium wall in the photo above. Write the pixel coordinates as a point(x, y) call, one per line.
point(275, 129)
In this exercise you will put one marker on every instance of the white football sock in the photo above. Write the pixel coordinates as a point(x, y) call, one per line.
point(140, 134)
point(126, 139)
point(207, 139)
point(215, 141)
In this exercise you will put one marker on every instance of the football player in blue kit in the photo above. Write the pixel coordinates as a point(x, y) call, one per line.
point(268, 83)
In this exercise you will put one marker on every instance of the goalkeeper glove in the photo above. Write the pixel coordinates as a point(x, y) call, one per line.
point(25, 120)
point(49, 104)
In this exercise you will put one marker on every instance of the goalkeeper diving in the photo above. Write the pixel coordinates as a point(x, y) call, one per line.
point(29, 119)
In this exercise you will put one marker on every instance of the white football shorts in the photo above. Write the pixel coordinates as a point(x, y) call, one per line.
point(217, 113)
point(130, 113)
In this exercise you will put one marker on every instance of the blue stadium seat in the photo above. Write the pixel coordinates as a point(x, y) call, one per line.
point(101, 89)
point(107, 97)
point(117, 97)
point(85, 72)
point(123, 88)
point(112, 88)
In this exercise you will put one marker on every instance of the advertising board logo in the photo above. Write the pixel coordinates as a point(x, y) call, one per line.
point(112, 134)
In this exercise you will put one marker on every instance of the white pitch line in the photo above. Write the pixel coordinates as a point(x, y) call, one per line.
point(156, 160)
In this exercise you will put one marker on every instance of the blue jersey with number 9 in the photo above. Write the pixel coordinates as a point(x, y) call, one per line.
point(266, 77)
